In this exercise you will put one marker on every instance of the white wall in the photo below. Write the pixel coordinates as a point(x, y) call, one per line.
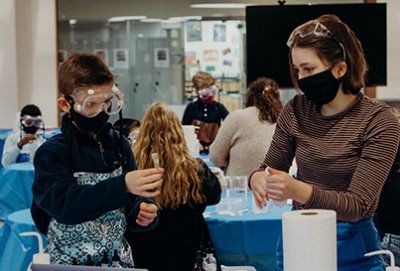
point(28, 70)
point(392, 90)
point(8, 64)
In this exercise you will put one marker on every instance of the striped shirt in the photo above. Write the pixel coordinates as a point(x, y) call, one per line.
point(346, 157)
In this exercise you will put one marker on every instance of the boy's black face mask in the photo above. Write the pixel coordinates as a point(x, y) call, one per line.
point(94, 124)
point(30, 130)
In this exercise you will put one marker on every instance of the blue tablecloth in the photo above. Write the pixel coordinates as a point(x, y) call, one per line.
point(16, 187)
point(16, 251)
point(206, 159)
point(249, 239)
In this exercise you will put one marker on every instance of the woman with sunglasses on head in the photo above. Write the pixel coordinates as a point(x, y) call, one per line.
point(344, 142)
point(21, 145)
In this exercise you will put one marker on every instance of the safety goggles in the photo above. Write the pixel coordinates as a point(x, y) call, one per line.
point(90, 103)
point(132, 137)
point(317, 29)
point(29, 121)
point(207, 92)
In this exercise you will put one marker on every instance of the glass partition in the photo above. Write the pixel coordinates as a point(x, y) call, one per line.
point(154, 60)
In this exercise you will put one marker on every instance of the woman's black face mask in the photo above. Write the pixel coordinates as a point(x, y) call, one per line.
point(320, 88)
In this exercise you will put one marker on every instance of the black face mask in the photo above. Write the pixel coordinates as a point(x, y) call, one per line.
point(94, 124)
point(320, 88)
point(30, 130)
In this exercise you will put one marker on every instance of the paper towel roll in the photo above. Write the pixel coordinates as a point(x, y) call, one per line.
point(309, 240)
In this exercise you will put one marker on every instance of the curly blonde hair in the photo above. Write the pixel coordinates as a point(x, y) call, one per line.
point(161, 132)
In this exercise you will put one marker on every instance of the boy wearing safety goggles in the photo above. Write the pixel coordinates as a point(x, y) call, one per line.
point(21, 145)
point(87, 190)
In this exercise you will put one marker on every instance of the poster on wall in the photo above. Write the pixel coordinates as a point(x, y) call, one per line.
point(62, 56)
point(190, 57)
point(161, 57)
point(121, 58)
point(102, 53)
point(219, 33)
point(193, 31)
point(210, 55)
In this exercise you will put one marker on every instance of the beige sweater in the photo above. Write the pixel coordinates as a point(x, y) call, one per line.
point(242, 142)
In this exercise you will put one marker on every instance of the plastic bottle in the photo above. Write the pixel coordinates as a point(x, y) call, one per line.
point(115, 260)
point(40, 257)
point(199, 264)
point(209, 244)
point(392, 267)
point(210, 261)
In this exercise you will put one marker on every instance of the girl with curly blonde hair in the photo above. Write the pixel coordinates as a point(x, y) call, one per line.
point(188, 186)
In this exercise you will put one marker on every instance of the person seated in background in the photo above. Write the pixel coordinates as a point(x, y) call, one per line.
point(205, 113)
point(21, 145)
point(388, 211)
point(188, 187)
point(129, 128)
point(246, 134)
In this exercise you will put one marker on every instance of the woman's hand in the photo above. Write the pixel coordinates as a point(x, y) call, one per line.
point(281, 186)
point(147, 214)
point(144, 182)
point(258, 184)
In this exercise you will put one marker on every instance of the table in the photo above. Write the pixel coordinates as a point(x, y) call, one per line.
point(16, 187)
point(249, 239)
point(16, 251)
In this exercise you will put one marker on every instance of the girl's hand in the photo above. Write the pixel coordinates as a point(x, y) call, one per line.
point(281, 186)
point(258, 184)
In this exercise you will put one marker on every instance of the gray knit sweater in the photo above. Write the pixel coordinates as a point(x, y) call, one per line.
point(242, 142)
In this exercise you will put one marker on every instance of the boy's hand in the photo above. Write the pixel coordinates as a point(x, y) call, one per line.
point(28, 138)
point(147, 214)
point(144, 182)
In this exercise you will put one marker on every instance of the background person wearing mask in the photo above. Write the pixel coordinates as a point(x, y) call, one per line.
point(129, 128)
point(205, 113)
point(246, 134)
point(21, 145)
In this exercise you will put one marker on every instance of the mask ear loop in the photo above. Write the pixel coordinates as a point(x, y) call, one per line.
point(44, 130)
point(21, 128)
point(121, 154)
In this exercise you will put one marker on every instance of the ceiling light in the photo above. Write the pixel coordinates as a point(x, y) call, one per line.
point(224, 3)
point(125, 18)
point(151, 20)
